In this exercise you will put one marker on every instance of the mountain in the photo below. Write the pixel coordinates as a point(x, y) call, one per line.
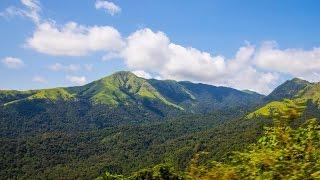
point(123, 123)
point(288, 89)
point(118, 117)
point(126, 89)
point(119, 99)
point(295, 95)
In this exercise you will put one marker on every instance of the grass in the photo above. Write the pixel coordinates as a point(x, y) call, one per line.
point(280, 107)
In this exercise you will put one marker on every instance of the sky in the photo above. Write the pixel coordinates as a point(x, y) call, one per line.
point(246, 44)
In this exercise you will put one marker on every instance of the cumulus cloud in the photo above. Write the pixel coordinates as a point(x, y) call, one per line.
point(146, 50)
point(142, 74)
point(109, 7)
point(78, 80)
point(294, 62)
point(149, 51)
point(12, 62)
point(39, 79)
point(72, 39)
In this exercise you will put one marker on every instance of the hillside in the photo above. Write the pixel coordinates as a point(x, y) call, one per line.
point(125, 88)
point(295, 95)
point(123, 123)
point(118, 99)
point(288, 89)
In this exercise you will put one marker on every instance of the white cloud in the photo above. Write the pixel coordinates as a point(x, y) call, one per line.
point(39, 79)
point(110, 7)
point(142, 74)
point(78, 80)
point(34, 9)
point(149, 51)
point(12, 62)
point(31, 10)
point(68, 68)
point(73, 39)
point(294, 62)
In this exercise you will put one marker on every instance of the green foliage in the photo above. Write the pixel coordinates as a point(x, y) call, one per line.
point(158, 172)
point(288, 90)
point(280, 107)
point(52, 94)
point(87, 153)
point(122, 88)
point(282, 153)
point(63, 133)
point(126, 89)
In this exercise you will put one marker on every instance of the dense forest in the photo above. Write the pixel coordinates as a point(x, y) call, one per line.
point(125, 127)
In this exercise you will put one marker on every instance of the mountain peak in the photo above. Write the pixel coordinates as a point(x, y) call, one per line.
point(298, 80)
point(122, 75)
point(288, 89)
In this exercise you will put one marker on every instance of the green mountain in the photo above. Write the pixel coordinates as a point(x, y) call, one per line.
point(122, 123)
point(288, 89)
point(295, 95)
point(126, 89)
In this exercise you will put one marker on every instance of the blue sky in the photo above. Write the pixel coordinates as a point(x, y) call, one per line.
point(242, 44)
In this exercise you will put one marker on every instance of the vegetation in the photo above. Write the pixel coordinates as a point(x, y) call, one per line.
point(125, 127)
point(282, 153)
point(126, 89)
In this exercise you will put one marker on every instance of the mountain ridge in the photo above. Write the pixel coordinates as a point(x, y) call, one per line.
point(125, 88)
point(293, 95)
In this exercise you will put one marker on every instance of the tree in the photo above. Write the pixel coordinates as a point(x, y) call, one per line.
point(282, 153)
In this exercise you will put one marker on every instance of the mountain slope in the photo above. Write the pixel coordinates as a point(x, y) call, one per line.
point(126, 89)
point(295, 96)
point(79, 134)
point(122, 88)
point(119, 99)
point(288, 89)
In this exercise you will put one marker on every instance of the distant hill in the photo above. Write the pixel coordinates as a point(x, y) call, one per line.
point(288, 89)
point(125, 88)
point(294, 95)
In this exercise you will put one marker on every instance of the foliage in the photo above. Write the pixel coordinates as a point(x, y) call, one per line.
point(282, 153)
point(63, 133)
point(297, 105)
point(158, 172)
point(288, 90)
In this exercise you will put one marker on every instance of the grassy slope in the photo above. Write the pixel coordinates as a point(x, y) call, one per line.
point(125, 88)
point(122, 88)
point(310, 92)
